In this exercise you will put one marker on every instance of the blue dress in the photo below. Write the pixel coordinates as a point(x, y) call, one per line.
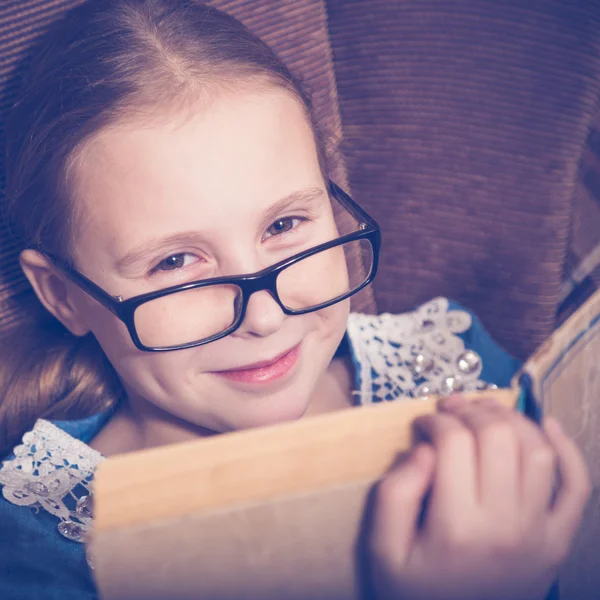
point(436, 348)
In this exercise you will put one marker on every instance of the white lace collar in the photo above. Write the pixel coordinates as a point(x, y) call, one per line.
point(53, 470)
point(406, 355)
point(413, 354)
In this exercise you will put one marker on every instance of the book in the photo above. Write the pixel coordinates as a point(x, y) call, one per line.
point(277, 512)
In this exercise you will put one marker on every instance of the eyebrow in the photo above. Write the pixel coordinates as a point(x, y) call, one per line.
point(308, 198)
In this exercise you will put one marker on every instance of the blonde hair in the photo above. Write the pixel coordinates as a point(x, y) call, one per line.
point(102, 61)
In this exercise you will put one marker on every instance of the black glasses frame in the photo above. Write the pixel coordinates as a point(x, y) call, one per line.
point(266, 279)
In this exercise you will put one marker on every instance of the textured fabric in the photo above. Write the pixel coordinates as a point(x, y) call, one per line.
point(297, 30)
point(464, 123)
point(37, 562)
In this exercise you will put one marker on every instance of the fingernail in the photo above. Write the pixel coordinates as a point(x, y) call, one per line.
point(452, 401)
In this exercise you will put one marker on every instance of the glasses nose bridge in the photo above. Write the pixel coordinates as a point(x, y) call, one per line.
point(266, 281)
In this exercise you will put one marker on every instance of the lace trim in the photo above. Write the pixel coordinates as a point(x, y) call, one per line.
point(53, 470)
point(413, 354)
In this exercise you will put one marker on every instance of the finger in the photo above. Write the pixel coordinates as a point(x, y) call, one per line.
point(454, 489)
point(574, 489)
point(537, 462)
point(497, 455)
point(398, 501)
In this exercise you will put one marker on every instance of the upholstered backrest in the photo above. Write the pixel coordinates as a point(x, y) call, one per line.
point(464, 123)
point(296, 29)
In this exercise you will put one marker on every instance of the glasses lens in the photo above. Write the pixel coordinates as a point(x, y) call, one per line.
point(325, 276)
point(188, 316)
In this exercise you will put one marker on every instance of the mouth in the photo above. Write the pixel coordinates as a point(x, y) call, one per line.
point(264, 371)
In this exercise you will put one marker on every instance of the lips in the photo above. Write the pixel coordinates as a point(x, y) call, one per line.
point(261, 364)
point(264, 371)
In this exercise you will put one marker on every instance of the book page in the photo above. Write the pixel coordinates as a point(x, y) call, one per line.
point(565, 376)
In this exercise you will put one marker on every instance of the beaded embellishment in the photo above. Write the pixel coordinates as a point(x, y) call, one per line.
point(414, 354)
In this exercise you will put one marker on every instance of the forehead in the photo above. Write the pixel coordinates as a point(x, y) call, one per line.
point(223, 165)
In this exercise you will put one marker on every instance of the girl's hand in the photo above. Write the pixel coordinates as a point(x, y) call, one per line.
point(495, 527)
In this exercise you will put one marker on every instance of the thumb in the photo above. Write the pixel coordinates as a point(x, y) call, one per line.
point(398, 503)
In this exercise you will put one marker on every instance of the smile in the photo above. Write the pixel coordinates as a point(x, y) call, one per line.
point(264, 371)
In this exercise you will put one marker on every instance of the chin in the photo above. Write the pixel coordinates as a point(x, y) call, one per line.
point(272, 411)
point(286, 399)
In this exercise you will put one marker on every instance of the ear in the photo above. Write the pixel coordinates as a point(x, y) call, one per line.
point(53, 291)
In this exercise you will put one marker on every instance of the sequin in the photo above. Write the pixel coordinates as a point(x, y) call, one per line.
point(71, 530)
point(468, 362)
point(37, 488)
point(420, 365)
point(423, 391)
point(85, 507)
point(451, 384)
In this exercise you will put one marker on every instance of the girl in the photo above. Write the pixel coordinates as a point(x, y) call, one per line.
point(170, 192)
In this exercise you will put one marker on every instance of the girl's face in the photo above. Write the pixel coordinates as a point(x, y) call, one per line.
point(231, 190)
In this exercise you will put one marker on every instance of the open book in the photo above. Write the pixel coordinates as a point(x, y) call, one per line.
point(275, 513)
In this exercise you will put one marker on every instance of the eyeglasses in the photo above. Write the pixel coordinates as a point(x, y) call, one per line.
point(200, 312)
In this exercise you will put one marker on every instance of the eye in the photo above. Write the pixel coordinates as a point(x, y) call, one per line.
point(283, 225)
point(174, 262)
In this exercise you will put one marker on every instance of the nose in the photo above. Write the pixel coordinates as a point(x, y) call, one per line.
point(263, 316)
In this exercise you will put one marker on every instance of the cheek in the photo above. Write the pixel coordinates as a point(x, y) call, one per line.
point(111, 333)
point(147, 374)
point(144, 372)
point(334, 320)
